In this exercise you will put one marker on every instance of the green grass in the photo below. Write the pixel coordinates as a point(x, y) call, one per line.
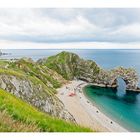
point(3, 63)
point(63, 63)
point(29, 118)
point(70, 65)
point(11, 72)
point(34, 69)
point(8, 124)
point(22, 75)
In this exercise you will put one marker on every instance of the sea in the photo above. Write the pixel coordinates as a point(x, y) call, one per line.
point(120, 106)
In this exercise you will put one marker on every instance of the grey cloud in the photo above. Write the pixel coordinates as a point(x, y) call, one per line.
point(67, 25)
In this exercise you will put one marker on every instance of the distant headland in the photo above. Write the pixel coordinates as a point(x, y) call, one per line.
point(3, 53)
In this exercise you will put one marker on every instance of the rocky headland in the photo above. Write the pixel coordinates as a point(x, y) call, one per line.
point(71, 67)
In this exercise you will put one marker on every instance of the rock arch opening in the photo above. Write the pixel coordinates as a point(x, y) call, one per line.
point(121, 86)
point(129, 76)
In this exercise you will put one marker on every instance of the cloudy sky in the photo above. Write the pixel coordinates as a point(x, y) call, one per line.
point(42, 26)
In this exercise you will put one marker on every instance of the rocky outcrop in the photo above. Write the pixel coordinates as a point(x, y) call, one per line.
point(35, 92)
point(71, 66)
point(109, 78)
point(129, 76)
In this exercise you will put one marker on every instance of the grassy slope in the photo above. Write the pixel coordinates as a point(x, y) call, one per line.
point(16, 115)
point(70, 65)
point(62, 59)
point(33, 72)
point(46, 75)
point(22, 75)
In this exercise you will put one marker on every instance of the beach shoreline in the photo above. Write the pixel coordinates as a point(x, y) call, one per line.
point(85, 112)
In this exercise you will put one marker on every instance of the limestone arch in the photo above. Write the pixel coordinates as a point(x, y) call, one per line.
point(129, 76)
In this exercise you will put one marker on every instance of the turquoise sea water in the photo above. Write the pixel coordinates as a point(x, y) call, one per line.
point(120, 106)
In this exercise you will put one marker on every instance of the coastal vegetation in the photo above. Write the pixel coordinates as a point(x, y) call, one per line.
point(22, 79)
point(71, 66)
point(18, 116)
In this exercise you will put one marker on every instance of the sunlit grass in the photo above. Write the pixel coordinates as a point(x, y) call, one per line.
point(28, 118)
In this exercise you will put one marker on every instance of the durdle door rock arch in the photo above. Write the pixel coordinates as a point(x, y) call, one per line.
point(71, 66)
point(129, 76)
point(109, 78)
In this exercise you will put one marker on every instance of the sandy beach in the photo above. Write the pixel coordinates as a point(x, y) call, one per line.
point(84, 112)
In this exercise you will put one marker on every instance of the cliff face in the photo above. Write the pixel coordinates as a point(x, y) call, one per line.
point(71, 66)
point(34, 88)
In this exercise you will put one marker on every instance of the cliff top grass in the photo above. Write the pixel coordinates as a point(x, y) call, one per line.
point(23, 76)
point(18, 116)
point(62, 58)
point(3, 62)
point(46, 75)
point(70, 65)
